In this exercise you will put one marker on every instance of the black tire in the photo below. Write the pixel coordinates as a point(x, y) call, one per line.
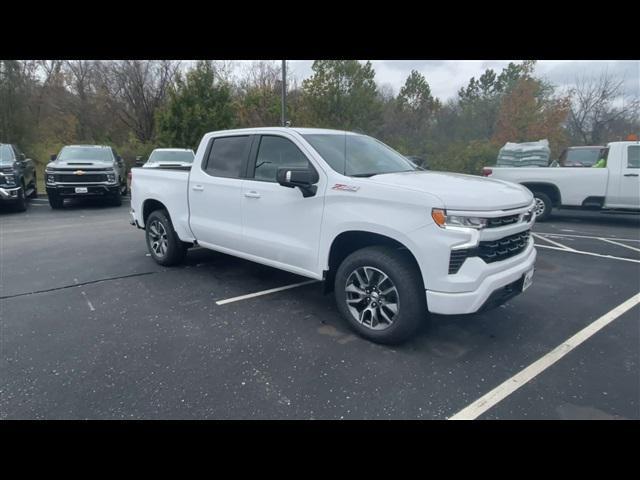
point(116, 198)
point(56, 202)
point(411, 299)
point(175, 250)
point(34, 193)
point(21, 201)
point(542, 201)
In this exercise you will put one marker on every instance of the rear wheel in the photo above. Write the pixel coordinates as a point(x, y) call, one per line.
point(380, 293)
point(543, 206)
point(163, 242)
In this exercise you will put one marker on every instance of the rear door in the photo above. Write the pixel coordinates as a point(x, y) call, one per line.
point(215, 192)
point(279, 224)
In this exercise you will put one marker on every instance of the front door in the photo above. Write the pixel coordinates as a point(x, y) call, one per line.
point(279, 224)
point(630, 179)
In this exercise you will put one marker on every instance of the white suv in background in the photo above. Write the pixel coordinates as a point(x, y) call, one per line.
point(170, 157)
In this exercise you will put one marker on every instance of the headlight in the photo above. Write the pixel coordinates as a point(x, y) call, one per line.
point(111, 177)
point(10, 179)
point(50, 178)
point(526, 217)
point(441, 218)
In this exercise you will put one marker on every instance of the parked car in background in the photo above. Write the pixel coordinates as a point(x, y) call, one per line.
point(170, 157)
point(17, 177)
point(616, 186)
point(80, 171)
point(392, 241)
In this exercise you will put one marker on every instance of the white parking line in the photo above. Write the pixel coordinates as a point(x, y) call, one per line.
point(264, 292)
point(621, 244)
point(587, 236)
point(564, 247)
point(624, 259)
point(506, 388)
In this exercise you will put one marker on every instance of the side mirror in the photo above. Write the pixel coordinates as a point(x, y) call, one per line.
point(53, 157)
point(302, 178)
point(139, 163)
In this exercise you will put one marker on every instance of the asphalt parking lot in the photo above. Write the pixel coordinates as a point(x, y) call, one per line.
point(92, 328)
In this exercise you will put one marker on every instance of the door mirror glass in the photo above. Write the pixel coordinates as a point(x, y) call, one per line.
point(53, 157)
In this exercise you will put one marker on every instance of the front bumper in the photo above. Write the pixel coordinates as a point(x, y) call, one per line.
point(9, 194)
point(93, 190)
point(502, 285)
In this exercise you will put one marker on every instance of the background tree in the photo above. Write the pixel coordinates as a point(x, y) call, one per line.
point(528, 113)
point(199, 103)
point(136, 90)
point(600, 112)
point(342, 94)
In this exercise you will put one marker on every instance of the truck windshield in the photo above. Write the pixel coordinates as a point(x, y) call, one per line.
point(90, 154)
point(6, 154)
point(168, 156)
point(358, 155)
point(582, 157)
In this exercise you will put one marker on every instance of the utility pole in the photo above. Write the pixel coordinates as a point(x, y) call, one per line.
point(284, 92)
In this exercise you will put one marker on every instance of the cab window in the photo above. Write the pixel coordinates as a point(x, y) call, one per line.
point(633, 156)
point(277, 152)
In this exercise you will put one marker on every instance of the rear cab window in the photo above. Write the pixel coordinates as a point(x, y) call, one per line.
point(227, 156)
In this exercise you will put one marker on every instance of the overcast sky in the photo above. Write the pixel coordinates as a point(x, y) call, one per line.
point(446, 76)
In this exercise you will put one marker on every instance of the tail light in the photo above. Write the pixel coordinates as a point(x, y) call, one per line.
point(486, 172)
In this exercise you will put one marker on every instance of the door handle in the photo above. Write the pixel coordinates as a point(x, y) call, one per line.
point(252, 194)
point(198, 188)
point(630, 174)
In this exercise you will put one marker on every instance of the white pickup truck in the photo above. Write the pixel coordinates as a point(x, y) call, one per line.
point(614, 187)
point(392, 241)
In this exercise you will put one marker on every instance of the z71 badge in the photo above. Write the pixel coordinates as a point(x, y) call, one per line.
point(345, 188)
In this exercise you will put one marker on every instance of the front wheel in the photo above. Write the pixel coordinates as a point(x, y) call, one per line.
point(116, 198)
point(379, 291)
point(56, 202)
point(543, 206)
point(34, 192)
point(21, 202)
point(163, 242)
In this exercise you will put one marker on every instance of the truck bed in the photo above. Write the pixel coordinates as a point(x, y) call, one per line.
point(170, 187)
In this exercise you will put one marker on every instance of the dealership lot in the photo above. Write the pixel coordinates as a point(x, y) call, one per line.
point(91, 327)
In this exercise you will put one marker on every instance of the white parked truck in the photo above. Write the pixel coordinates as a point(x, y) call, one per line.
point(392, 241)
point(616, 186)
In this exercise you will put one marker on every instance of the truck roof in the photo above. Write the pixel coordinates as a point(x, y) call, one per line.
point(88, 146)
point(302, 131)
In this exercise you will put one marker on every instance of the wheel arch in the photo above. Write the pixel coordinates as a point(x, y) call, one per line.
point(151, 205)
point(549, 189)
point(349, 241)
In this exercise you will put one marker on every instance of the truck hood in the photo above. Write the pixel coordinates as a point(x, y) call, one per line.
point(461, 192)
point(80, 164)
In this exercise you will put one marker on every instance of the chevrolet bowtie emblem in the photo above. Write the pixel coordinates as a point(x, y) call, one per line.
point(79, 172)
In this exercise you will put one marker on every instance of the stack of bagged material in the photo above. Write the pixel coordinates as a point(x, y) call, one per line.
point(528, 154)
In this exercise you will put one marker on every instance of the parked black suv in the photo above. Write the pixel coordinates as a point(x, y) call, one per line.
point(17, 177)
point(86, 171)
